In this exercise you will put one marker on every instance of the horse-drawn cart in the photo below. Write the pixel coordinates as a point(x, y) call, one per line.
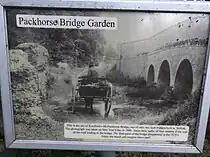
point(93, 88)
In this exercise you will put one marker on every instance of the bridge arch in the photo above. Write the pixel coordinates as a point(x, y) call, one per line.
point(151, 74)
point(183, 80)
point(164, 75)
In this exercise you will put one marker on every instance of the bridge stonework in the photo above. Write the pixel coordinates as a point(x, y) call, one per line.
point(174, 56)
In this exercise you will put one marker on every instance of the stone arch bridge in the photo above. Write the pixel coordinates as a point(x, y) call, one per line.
point(179, 64)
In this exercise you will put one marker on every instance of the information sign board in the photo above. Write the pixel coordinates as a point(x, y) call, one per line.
point(105, 75)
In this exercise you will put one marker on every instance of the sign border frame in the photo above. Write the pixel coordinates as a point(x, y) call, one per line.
point(120, 5)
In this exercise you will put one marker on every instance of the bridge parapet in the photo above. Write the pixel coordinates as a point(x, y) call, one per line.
point(182, 43)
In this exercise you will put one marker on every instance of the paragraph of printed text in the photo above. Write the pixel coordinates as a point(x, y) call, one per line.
point(126, 132)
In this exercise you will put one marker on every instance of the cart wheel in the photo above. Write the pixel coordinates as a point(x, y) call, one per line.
point(73, 102)
point(108, 105)
point(73, 105)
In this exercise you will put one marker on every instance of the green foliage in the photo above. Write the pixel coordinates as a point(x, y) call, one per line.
point(72, 46)
point(118, 77)
point(110, 53)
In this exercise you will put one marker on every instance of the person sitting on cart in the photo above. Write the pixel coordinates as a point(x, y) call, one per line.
point(92, 72)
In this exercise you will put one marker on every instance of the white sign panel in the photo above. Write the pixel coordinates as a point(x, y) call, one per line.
point(126, 132)
point(66, 22)
point(86, 78)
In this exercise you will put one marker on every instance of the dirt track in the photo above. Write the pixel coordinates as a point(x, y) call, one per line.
point(127, 113)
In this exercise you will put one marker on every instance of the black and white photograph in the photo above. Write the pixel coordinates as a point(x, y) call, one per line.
point(130, 68)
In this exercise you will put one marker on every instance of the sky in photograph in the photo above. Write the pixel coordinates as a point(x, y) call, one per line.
point(139, 26)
